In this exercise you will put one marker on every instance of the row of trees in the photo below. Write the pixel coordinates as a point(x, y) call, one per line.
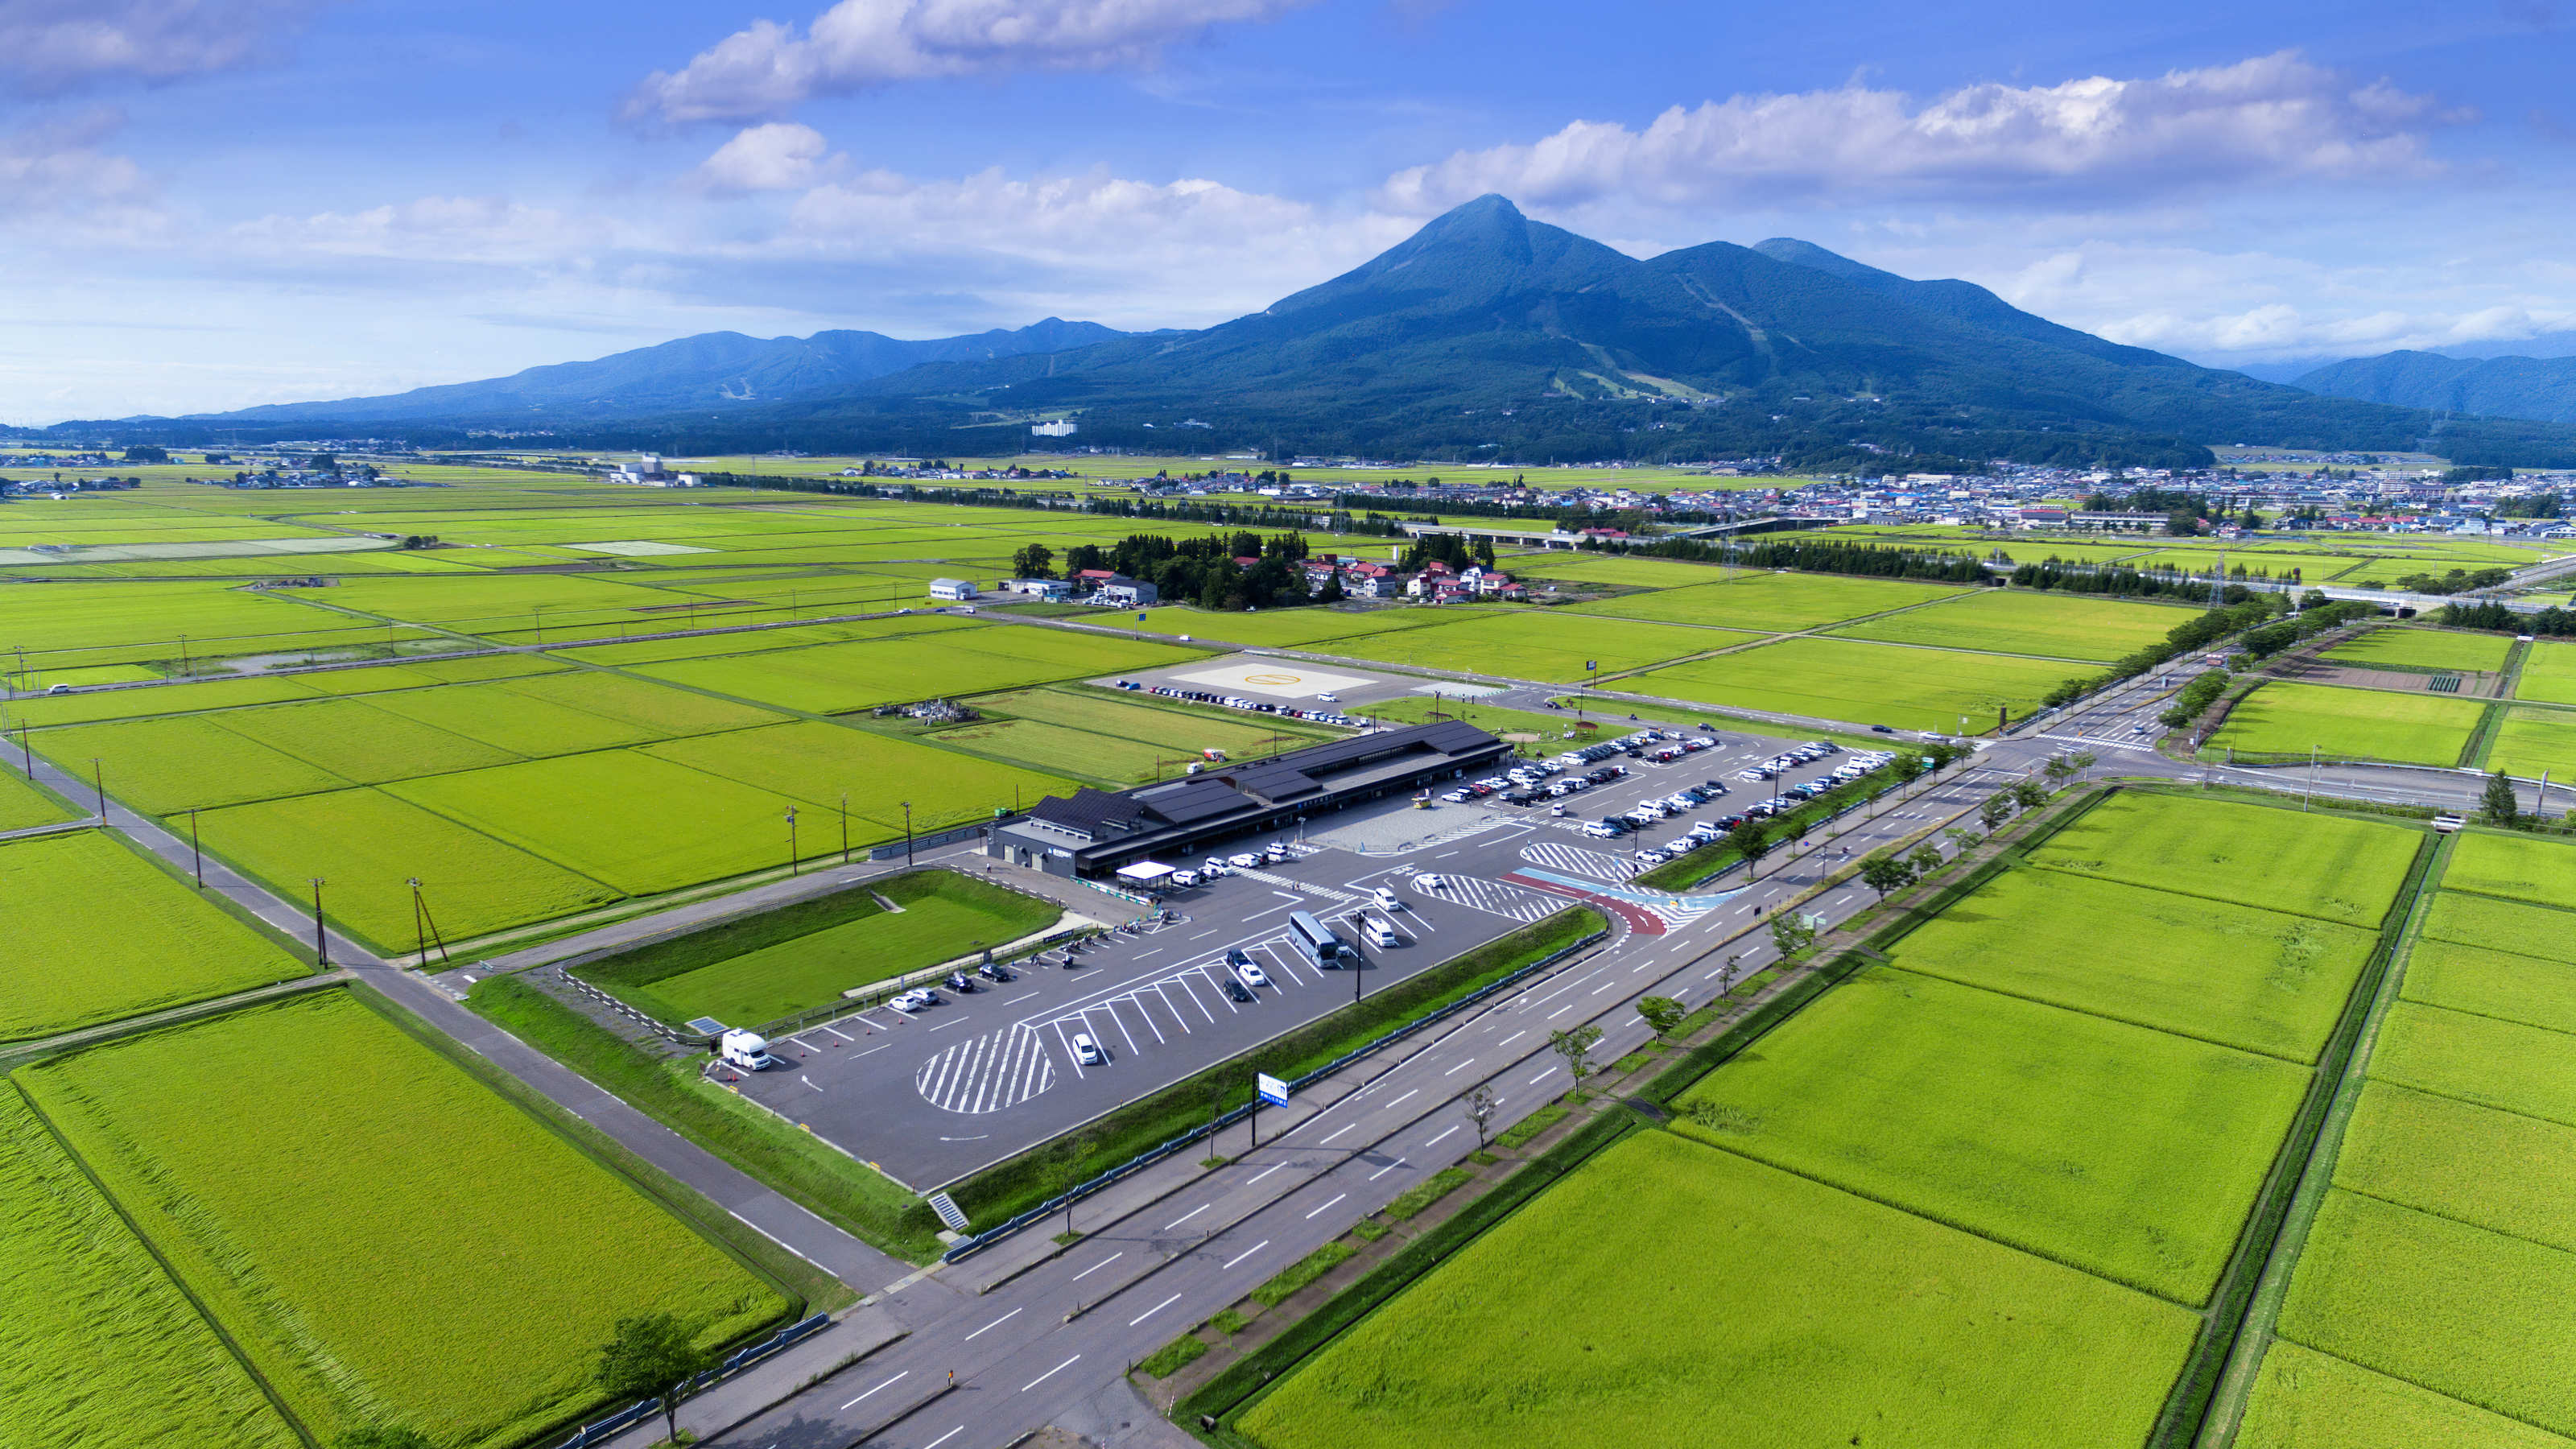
point(2162, 581)
point(1868, 560)
point(2554, 621)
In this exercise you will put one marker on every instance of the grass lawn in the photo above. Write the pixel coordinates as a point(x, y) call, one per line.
point(1865, 684)
point(2309, 1400)
point(367, 843)
point(2403, 648)
point(242, 1144)
point(101, 1347)
point(2498, 925)
point(2334, 867)
point(2534, 742)
point(2496, 1170)
point(2123, 1151)
point(96, 932)
point(1527, 644)
point(2548, 673)
point(1772, 1311)
point(2519, 867)
point(2481, 1059)
point(1772, 603)
point(942, 916)
point(2493, 983)
point(2260, 980)
point(2292, 719)
point(2477, 1315)
point(2014, 621)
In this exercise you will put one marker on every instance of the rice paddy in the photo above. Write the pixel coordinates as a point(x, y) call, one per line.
point(1863, 684)
point(2285, 720)
point(2428, 649)
point(2052, 626)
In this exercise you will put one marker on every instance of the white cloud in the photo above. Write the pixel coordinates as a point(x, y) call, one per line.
point(54, 178)
point(443, 229)
point(767, 68)
point(2272, 118)
point(53, 46)
point(777, 156)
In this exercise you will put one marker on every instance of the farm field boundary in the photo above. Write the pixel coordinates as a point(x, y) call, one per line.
point(2187, 1412)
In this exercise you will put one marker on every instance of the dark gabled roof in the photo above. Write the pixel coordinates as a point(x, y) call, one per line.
point(1088, 810)
point(1186, 801)
point(1298, 774)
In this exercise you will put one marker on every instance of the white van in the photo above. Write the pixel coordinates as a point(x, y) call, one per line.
point(1378, 933)
point(1387, 901)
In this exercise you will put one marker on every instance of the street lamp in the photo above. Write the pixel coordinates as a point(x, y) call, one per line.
point(321, 944)
point(907, 834)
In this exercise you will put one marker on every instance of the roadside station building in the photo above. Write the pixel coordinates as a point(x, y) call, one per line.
point(1096, 832)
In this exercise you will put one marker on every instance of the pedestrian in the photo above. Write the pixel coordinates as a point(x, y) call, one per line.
point(952, 1378)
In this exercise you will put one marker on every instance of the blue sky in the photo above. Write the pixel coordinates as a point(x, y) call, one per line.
point(207, 204)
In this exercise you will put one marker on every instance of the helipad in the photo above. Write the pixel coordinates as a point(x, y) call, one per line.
point(1277, 678)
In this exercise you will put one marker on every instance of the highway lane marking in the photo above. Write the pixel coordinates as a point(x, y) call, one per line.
point(1337, 1197)
point(1246, 1253)
point(1560, 1011)
point(1434, 1142)
point(989, 1327)
point(888, 1383)
point(953, 1433)
point(1157, 951)
point(1150, 1312)
point(1336, 1132)
point(1453, 1071)
point(1374, 1176)
point(1541, 1077)
point(1265, 1172)
point(1051, 1373)
point(1398, 1102)
point(1096, 1267)
point(952, 1021)
point(1185, 1217)
point(1604, 986)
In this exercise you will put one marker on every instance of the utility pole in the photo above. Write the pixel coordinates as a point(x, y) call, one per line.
point(419, 929)
point(98, 783)
point(907, 835)
point(195, 849)
point(321, 943)
point(845, 827)
point(791, 840)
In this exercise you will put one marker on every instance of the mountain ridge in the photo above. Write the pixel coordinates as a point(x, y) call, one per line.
point(2542, 388)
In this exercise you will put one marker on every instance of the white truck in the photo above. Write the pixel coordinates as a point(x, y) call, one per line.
point(748, 1050)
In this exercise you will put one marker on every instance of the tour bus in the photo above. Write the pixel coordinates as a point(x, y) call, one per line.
point(1316, 940)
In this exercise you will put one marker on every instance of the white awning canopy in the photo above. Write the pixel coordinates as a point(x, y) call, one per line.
point(1143, 872)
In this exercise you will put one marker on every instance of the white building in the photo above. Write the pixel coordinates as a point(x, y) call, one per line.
point(952, 590)
point(1060, 428)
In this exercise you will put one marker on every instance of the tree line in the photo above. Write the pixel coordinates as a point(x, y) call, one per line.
point(2556, 621)
point(1869, 560)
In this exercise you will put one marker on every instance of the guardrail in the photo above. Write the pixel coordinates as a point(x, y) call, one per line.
point(978, 1243)
point(599, 1429)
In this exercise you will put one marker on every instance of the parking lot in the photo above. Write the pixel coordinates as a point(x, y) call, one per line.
point(933, 1096)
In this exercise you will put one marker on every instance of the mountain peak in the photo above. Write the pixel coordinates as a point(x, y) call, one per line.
point(1809, 255)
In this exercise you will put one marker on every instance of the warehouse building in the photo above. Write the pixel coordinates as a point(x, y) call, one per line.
point(1095, 832)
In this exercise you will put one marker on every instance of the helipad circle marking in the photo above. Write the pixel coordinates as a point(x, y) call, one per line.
point(1274, 679)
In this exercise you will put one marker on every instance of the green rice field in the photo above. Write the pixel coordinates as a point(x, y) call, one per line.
point(2309, 1400)
point(101, 1347)
point(1772, 1310)
point(367, 843)
point(2335, 867)
point(1772, 603)
point(2008, 622)
point(2518, 867)
point(2293, 719)
point(1274, 628)
point(2532, 743)
point(2483, 1059)
point(2548, 673)
point(2263, 981)
point(810, 763)
point(2477, 1315)
point(420, 1180)
point(2403, 648)
point(2494, 925)
point(1846, 680)
point(68, 966)
point(839, 678)
point(24, 804)
point(940, 915)
point(2476, 1165)
point(2135, 1160)
point(1552, 646)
